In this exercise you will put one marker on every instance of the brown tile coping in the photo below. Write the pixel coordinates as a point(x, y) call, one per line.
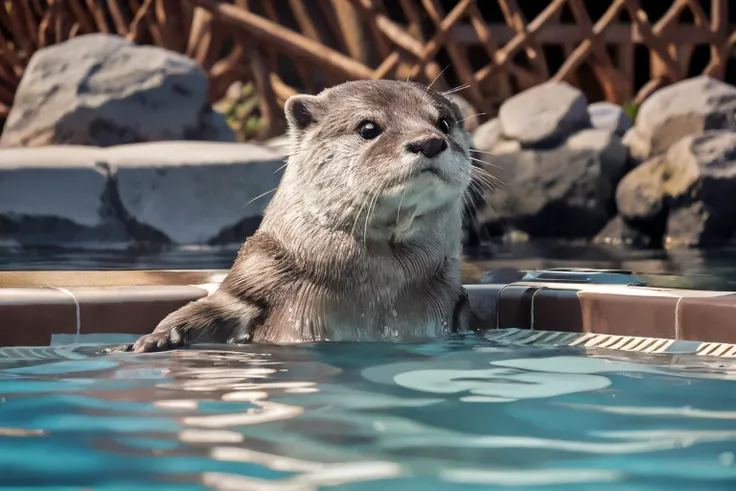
point(35, 305)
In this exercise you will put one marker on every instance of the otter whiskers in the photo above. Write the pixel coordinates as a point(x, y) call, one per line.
point(471, 116)
point(261, 196)
point(436, 78)
point(456, 89)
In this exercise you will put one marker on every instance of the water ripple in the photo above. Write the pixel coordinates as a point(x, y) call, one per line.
point(366, 416)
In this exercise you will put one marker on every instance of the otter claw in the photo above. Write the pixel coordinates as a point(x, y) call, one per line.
point(156, 341)
point(118, 349)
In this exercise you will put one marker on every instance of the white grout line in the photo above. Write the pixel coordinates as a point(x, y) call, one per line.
point(531, 308)
point(678, 334)
point(76, 305)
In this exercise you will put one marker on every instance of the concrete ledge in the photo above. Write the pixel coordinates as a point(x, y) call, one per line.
point(178, 192)
point(36, 305)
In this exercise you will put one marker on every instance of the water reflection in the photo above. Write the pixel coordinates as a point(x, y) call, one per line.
point(449, 415)
point(712, 267)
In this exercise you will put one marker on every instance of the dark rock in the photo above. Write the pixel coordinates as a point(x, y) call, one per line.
point(565, 192)
point(687, 193)
point(704, 208)
point(688, 227)
point(102, 90)
point(544, 115)
point(58, 196)
point(562, 193)
point(619, 233)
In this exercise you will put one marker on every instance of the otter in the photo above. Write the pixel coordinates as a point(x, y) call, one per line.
point(362, 238)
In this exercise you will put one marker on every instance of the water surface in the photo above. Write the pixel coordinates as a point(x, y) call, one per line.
point(460, 414)
point(714, 269)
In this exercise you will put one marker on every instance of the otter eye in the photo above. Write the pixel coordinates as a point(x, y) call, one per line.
point(369, 130)
point(443, 126)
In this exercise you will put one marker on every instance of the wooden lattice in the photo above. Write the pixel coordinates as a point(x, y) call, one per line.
point(289, 46)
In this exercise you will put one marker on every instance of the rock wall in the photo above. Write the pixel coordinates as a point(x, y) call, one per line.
point(684, 147)
point(111, 144)
point(553, 162)
point(566, 169)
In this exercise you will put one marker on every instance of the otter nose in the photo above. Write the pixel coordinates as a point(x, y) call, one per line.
point(429, 147)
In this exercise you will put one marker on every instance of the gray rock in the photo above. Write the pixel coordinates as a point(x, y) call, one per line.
point(688, 227)
point(544, 115)
point(641, 193)
point(609, 117)
point(57, 196)
point(565, 192)
point(686, 193)
point(487, 135)
point(609, 147)
point(685, 108)
point(195, 193)
point(704, 208)
point(102, 90)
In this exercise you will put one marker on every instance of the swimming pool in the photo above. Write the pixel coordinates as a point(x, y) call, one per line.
point(457, 414)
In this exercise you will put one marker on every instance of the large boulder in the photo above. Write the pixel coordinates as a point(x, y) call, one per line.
point(685, 108)
point(686, 193)
point(544, 115)
point(194, 192)
point(102, 90)
point(57, 196)
point(609, 117)
point(564, 192)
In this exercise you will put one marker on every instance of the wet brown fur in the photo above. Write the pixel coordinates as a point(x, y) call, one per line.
point(334, 257)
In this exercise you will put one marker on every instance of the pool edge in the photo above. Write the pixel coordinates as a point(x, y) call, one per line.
point(35, 305)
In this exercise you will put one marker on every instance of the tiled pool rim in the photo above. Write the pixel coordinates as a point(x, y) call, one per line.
point(34, 305)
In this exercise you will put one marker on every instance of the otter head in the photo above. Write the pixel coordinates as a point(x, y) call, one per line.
point(381, 158)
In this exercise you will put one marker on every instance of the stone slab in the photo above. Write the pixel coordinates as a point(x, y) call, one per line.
point(195, 192)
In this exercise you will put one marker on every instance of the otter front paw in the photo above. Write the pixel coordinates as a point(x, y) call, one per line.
point(156, 341)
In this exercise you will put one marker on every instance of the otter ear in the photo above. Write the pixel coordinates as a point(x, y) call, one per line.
point(302, 111)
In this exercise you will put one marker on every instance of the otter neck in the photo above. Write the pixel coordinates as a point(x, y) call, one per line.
point(337, 256)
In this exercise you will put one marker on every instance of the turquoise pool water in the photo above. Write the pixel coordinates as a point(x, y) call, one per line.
point(458, 414)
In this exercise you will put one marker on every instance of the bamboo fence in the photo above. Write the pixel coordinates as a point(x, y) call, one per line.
point(492, 48)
